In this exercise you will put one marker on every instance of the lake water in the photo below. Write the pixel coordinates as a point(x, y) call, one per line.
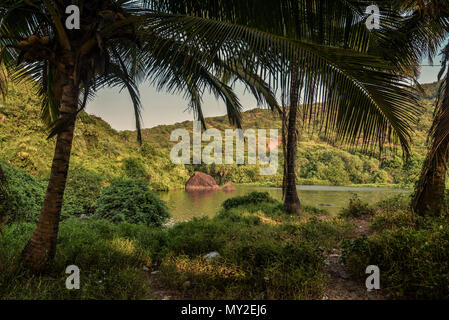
point(186, 205)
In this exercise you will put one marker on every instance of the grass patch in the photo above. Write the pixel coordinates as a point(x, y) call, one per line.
point(110, 265)
point(258, 260)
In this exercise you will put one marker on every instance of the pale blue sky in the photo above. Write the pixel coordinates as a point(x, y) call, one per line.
point(162, 108)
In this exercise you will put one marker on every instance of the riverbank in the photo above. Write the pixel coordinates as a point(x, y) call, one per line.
point(323, 183)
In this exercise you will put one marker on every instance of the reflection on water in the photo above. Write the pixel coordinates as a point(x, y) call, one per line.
point(185, 205)
point(197, 196)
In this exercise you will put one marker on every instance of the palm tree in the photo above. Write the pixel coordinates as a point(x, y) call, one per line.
point(185, 46)
point(426, 29)
point(116, 46)
point(410, 30)
point(429, 193)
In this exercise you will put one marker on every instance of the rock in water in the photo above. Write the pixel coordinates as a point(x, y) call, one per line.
point(201, 181)
point(228, 187)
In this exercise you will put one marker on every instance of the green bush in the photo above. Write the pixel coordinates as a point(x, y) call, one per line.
point(134, 169)
point(413, 263)
point(82, 192)
point(395, 203)
point(393, 220)
point(250, 198)
point(357, 209)
point(131, 201)
point(25, 195)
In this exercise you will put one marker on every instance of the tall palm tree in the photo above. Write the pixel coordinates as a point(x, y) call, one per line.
point(429, 193)
point(184, 46)
point(426, 29)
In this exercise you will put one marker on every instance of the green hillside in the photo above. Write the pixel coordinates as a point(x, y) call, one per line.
point(320, 160)
point(97, 147)
point(107, 153)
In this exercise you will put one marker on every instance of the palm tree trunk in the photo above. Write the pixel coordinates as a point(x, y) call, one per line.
point(291, 201)
point(429, 193)
point(41, 248)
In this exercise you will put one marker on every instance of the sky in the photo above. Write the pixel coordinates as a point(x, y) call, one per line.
point(115, 107)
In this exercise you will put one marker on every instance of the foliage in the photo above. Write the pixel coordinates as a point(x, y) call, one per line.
point(99, 149)
point(82, 191)
point(411, 251)
point(413, 263)
point(131, 201)
point(102, 150)
point(250, 198)
point(356, 209)
point(134, 169)
point(110, 264)
point(25, 195)
point(393, 220)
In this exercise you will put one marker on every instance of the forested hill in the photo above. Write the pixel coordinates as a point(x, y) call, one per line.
point(103, 151)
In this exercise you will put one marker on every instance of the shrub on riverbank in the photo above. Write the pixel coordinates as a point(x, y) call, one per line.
point(26, 193)
point(250, 198)
point(131, 201)
point(411, 252)
point(357, 209)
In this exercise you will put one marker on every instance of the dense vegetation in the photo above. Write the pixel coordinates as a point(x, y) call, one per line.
point(102, 153)
point(253, 262)
point(100, 149)
point(411, 251)
point(264, 254)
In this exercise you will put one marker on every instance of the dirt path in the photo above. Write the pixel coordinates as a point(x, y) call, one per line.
point(341, 285)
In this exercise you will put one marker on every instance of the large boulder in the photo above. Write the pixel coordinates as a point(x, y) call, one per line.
point(201, 181)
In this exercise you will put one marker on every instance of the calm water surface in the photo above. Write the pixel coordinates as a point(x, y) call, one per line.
point(186, 205)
